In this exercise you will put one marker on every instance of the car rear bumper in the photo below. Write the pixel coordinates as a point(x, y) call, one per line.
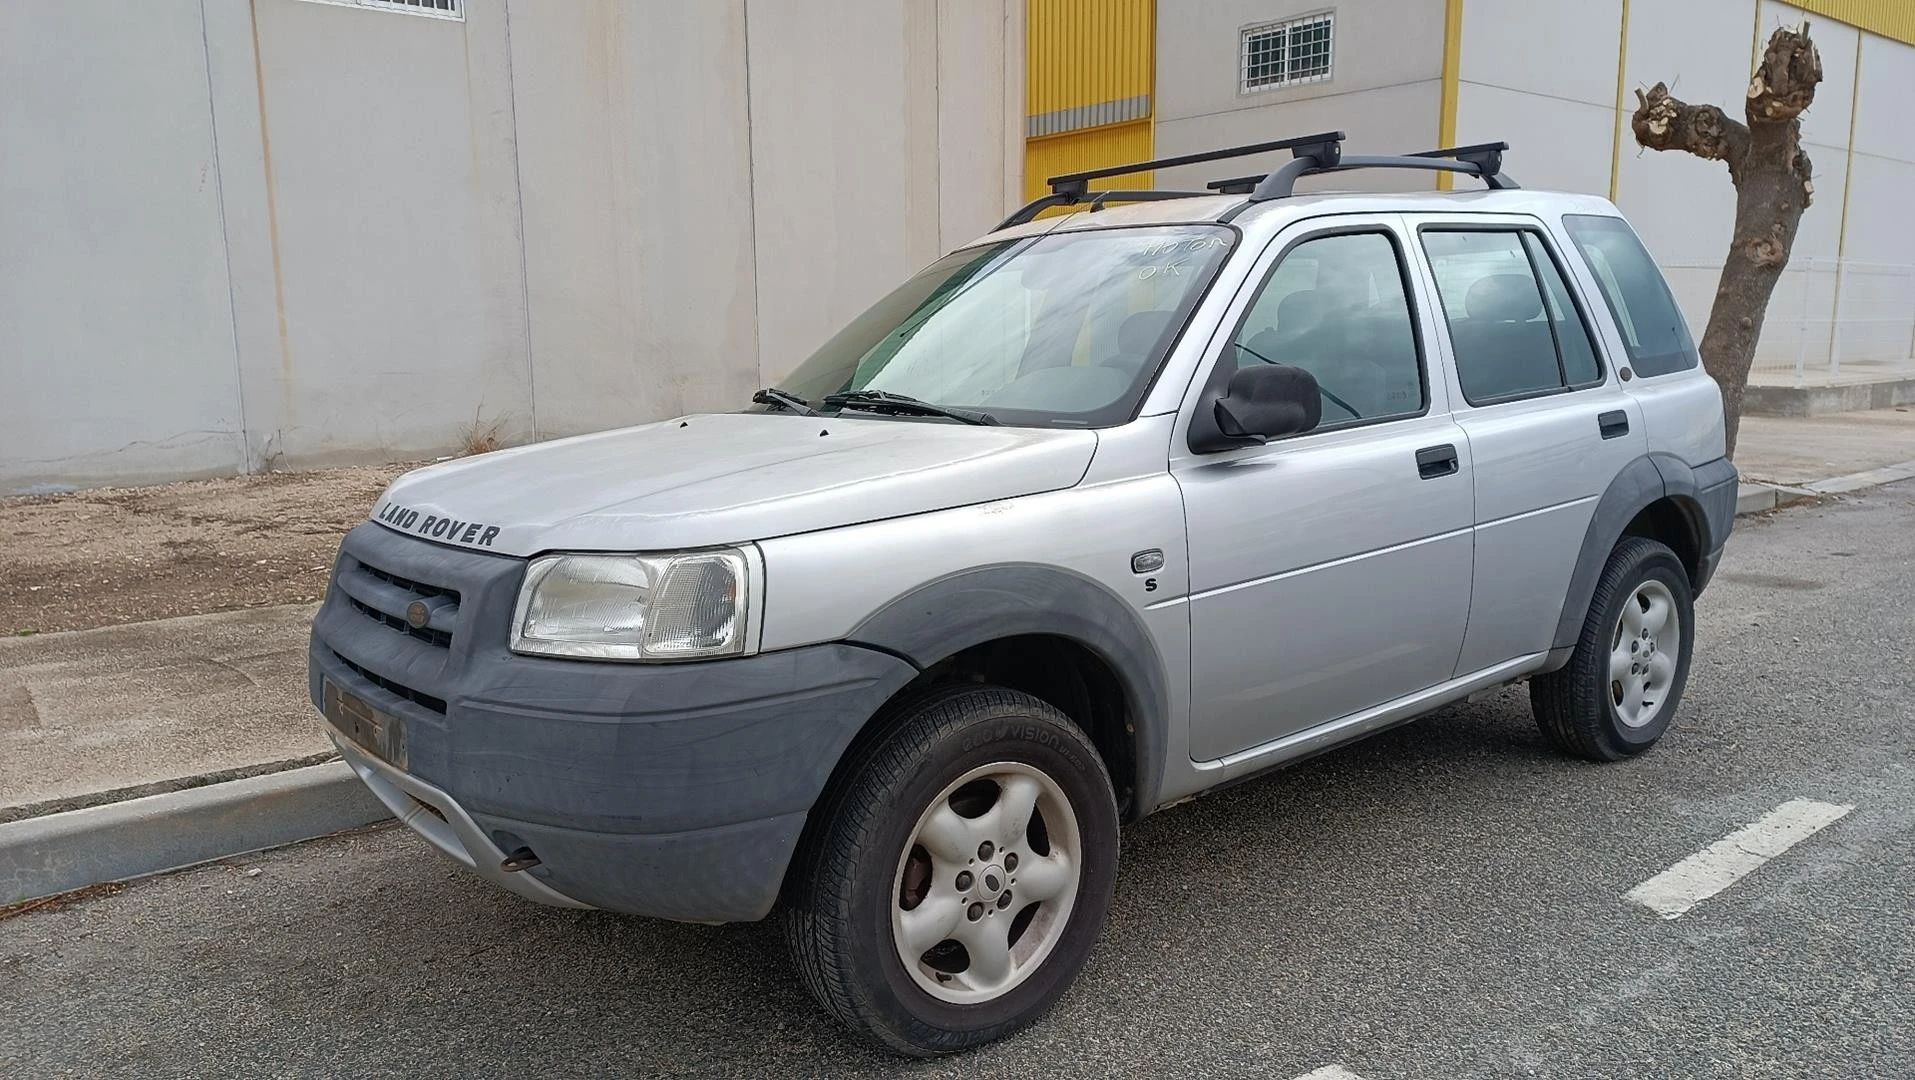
point(1716, 485)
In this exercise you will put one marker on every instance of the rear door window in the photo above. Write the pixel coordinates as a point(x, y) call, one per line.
point(1653, 331)
point(1514, 325)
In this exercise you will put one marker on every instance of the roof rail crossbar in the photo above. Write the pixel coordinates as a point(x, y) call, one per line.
point(1484, 161)
point(1473, 152)
point(1076, 182)
point(1072, 188)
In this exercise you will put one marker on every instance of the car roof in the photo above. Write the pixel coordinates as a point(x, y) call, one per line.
point(1271, 215)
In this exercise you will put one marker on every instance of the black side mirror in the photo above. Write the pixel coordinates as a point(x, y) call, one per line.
point(1269, 402)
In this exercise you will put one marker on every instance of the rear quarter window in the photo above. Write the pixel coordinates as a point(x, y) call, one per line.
point(1653, 331)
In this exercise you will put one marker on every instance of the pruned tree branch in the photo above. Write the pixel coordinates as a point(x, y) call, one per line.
point(1784, 84)
point(1664, 122)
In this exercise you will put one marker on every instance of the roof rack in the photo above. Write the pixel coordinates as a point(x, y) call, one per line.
point(1483, 160)
point(1311, 155)
point(1073, 188)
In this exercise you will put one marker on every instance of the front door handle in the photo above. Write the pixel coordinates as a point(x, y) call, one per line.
point(1614, 424)
point(1435, 461)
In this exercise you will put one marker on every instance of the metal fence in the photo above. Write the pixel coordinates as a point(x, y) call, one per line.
point(1838, 321)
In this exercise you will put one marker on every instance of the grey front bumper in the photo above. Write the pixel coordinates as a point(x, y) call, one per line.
point(673, 790)
point(439, 818)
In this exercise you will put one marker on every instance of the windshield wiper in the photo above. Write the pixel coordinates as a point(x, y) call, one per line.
point(771, 395)
point(885, 401)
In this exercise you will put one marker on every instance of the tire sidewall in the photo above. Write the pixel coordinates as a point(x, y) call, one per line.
point(1005, 734)
point(1651, 564)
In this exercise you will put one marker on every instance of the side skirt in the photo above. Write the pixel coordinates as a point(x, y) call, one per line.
point(1311, 741)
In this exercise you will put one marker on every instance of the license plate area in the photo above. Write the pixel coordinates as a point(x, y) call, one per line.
point(370, 728)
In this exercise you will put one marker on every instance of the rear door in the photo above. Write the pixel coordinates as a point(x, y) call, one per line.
point(1547, 421)
point(1646, 333)
point(1329, 571)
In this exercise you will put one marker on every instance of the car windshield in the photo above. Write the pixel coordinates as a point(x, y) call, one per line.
point(1062, 329)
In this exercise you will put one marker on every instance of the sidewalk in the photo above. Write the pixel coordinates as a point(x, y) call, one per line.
point(1787, 460)
point(128, 709)
point(1799, 452)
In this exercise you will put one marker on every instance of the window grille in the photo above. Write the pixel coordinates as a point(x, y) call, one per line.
point(435, 9)
point(1288, 53)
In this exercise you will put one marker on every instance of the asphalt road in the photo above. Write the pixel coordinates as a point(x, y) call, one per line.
point(1442, 901)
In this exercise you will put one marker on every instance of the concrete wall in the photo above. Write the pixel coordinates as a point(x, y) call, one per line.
point(274, 233)
point(1556, 107)
point(1384, 89)
point(116, 328)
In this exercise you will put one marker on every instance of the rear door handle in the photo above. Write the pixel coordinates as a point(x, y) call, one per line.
point(1435, 461)
point(1614, 424)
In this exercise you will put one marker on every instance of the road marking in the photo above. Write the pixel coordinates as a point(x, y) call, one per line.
point(1330, 1072)
point(1734, 857)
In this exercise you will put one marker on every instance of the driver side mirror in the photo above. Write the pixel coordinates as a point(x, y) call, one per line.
point(1269, 402)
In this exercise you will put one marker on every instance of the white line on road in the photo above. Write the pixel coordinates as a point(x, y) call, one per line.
point(1734, 857)
point(1330, 1072)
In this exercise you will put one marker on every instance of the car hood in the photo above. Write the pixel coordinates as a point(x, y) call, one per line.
point(727, 478)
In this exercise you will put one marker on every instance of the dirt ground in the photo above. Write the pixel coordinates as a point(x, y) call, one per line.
point(96, 558)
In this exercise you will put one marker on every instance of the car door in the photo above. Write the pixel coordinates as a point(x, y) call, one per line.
point(1329, 571)
point(1547, 422)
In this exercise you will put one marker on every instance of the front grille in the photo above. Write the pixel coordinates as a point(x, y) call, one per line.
point(437, 705)
point(384, 597)
point(441, 638)
point(417, 588)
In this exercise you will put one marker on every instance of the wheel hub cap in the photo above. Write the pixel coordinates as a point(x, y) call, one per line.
point(991, 882)
point(1642, 654)
point(986, 883)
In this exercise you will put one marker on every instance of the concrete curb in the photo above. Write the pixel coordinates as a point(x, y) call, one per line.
point(44, 856)
point(1755, 497)
point(1758, 498)
point(1887, 474)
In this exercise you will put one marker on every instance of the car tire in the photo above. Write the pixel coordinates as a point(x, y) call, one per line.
point(1622, 685)
point(927, 827)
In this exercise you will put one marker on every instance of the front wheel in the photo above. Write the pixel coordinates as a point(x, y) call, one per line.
point(1620, 689)
point(958, 876)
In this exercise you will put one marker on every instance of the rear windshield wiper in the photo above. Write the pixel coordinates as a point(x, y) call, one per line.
point(771, 395)
point(885, 401)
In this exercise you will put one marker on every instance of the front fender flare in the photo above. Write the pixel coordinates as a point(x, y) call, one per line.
point(944, 617)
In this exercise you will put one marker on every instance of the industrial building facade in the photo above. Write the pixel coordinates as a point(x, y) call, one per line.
point(252, 234)
point(1113, 81)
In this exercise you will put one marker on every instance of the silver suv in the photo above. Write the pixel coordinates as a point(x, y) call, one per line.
point(1087, 518)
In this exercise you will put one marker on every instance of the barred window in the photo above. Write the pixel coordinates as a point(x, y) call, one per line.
point(1288, 53)
point(437, 9)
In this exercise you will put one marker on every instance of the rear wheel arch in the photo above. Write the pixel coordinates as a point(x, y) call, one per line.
point(1675, 522)
point(1657, 497)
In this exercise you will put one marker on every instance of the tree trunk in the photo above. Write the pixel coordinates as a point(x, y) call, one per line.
point(1773, 183)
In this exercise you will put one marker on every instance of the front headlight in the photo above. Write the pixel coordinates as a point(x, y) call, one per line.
point(634, 607)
